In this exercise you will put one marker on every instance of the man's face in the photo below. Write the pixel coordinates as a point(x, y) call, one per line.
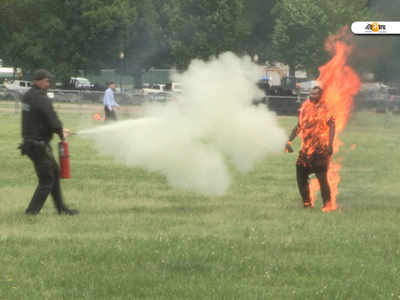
point(43, 84)
point(315, 95)
point(112, 86)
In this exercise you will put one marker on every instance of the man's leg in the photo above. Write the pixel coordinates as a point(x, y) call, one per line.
point(45, 174)
point(56, 190)
point(302, 174)
point(324, 184)
point(106, 113)
point(113, 115)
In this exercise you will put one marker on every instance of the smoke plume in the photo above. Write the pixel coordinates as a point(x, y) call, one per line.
point(210, 126)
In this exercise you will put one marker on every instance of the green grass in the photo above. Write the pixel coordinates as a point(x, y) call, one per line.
point(137, 238)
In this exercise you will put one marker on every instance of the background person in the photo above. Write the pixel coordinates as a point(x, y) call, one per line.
point(109, 103)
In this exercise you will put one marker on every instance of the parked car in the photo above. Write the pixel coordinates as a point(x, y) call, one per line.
point(6, 94)
point(154, 88)
point(174, 87)
point(390, 102)
point(99, 87)
point(394, 100)
point(161, 97)
point(20, 86)
point(80, 83)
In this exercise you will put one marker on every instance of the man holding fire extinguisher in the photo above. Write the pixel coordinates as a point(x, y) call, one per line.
point(39, 123)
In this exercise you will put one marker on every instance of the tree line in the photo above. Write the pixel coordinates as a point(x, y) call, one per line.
point(65, 36)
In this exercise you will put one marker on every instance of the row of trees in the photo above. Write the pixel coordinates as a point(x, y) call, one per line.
point(69, 35)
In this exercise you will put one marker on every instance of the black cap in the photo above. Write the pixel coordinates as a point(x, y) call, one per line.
point(42, 74)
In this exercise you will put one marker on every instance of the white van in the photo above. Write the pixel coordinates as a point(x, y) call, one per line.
point(175, 87)
point(20, 86)
point(154, 89)
point(80, 83)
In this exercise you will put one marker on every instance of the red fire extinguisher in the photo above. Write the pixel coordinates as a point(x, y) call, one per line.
point(64, 159)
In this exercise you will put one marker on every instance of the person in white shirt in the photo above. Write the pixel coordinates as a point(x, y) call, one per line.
point(109, 102)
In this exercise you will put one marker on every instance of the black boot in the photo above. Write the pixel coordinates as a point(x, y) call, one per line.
point(68, 211)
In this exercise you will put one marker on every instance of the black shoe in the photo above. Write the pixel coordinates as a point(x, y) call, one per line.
point(69, 212)
point(31, 213)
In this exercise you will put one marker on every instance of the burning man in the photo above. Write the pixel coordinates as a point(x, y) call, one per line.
point(316, 127)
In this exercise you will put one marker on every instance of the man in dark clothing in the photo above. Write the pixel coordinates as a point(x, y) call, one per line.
point(39, 122)
point(317, 130)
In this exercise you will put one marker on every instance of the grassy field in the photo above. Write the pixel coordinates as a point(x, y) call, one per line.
point(136, 238)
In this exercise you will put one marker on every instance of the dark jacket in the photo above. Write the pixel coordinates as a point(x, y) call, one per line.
point(39, 120)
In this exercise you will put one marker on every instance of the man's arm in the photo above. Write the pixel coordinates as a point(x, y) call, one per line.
point(113, 102)
point(294, 133)
point(332, 130)
point(52, 120)
point(292, 136)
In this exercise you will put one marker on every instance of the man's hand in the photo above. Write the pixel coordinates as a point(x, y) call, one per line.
point(329, 149)
point(288, 148)
point(66, 132)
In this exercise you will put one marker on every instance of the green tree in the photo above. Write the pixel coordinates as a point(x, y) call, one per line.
point(302, 26)
point(142, 40)
point(260, 22)
point(203, 28)
point(64, 36)
point(6, 17)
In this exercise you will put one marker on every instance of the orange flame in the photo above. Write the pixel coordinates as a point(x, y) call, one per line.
point(340, 84)
point(97, 117)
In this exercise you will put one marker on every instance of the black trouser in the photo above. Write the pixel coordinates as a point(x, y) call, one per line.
point(320, 168)
point(48, 173)
point(110, 114)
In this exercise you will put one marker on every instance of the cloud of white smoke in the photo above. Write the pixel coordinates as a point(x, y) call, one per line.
point(212, 122)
